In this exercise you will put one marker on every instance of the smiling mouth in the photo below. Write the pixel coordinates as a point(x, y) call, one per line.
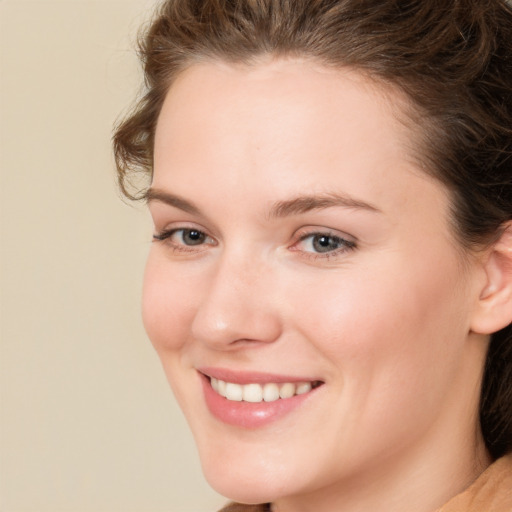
point(255, 393)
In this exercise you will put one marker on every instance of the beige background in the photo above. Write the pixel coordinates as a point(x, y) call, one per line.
point(87, 422)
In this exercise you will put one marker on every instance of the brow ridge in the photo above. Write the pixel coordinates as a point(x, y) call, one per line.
point(304, 204)
point(156, 194)
point(284, 208)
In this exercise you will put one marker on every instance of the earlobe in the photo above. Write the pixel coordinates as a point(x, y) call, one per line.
point(494, 309)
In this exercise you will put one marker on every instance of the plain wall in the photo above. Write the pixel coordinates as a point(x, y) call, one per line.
point(87, 421)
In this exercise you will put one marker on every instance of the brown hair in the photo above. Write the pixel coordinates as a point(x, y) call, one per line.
point(452, 59)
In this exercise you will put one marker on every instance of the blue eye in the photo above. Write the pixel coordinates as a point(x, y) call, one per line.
point(184, 237)
point(323, 243)
point(191, 236)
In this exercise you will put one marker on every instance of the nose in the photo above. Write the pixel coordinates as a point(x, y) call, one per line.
point(238, 306)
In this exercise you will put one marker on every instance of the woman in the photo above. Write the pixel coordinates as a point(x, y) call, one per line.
point(330, 283)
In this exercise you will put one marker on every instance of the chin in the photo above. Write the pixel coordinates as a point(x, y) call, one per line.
point(257, 479)
point(246, 478)
point(244, 488)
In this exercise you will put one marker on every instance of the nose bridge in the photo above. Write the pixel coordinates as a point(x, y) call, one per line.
point(238, 303)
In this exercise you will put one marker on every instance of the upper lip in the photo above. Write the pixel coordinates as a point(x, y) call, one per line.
point(251, 377)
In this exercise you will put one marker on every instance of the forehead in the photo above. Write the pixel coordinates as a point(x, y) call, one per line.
point(291, 124)
point(278, 93)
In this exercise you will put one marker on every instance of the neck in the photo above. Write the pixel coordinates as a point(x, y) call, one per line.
point(423, 475)
point(422, 483)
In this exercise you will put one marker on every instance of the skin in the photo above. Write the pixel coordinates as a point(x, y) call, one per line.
point(384, 321)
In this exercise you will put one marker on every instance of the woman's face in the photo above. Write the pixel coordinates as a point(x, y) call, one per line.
point(299, 249)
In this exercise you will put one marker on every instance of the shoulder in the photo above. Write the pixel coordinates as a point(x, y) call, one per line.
point(491, 492)
point(238, 507)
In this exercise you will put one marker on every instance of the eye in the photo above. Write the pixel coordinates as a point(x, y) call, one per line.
point(324, 244)
point(190, 236)
point(184, 237)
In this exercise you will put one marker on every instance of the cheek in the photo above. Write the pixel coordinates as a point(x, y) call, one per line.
point(390, 324)
point(167, 311)
point(393, 346)
point(167, 305)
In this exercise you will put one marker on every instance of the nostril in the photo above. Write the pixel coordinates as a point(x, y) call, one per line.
point(238, 326)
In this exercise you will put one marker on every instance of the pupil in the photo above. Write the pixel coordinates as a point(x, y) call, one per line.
point(193, 237)
point(323, 243)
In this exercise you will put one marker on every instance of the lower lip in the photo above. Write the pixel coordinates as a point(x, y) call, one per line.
point(249, 414)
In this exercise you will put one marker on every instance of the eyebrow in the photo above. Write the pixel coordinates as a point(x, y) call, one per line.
point(155, 194)
point(285, 208)
point(304, 204)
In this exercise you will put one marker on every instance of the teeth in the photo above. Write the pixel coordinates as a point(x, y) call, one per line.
point(287, 390)
point(257, 393)
point(222, 387)
point(270, 392)
point(303, 387)
point(252, 393)
point(234, 392)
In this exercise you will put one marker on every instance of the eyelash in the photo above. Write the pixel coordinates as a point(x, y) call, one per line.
point(345, 244)
point(165, 236)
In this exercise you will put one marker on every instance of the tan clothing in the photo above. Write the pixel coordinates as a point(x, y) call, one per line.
point(237, 507)
point(491, 492)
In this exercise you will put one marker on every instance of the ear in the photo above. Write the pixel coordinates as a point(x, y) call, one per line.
point(494, 309)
